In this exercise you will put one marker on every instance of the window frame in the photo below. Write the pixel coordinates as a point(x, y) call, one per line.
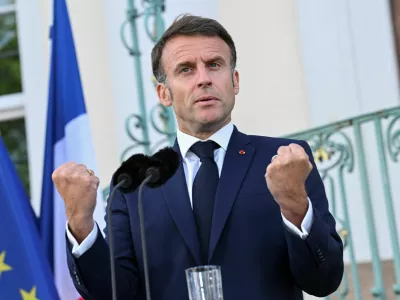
point(31, 103)
point(15, 100)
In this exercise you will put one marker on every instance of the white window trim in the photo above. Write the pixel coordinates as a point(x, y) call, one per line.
point(5, 9)
point(12, 113)
point(31, 103)
point(11, 101)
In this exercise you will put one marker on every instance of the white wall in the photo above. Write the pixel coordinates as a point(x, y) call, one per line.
point(349, 58)
point(351, 69)
point(88, 19)
point(272, 99)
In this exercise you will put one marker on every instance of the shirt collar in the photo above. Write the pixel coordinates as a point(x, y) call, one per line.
point(221, 137)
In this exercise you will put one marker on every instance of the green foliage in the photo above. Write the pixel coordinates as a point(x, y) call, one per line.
point(10, 69)
point(13, 134)
point(12, 131)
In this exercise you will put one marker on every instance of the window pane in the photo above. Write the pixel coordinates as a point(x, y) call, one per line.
point(10, 69)
point(5, 2)
point(13, 134)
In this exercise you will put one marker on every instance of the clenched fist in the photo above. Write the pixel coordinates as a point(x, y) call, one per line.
point(77, 186)
point(286, 176)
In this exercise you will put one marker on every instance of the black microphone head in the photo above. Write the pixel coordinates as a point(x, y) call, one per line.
point(166, 162)
point(133, 171)
point(126, 179)
point(155, 174)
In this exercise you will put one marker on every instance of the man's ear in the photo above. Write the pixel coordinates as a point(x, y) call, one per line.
point(236, 82)
point(163, 94)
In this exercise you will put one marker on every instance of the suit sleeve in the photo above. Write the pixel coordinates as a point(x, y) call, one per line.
point(317, 261)
point(91, 272)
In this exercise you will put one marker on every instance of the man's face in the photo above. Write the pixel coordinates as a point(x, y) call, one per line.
point(201, 86)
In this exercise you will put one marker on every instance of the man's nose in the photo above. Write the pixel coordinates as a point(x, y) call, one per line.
point(204, 78)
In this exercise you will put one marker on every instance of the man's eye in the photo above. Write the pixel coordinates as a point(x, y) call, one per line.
point(185, 70)
point(214, 65)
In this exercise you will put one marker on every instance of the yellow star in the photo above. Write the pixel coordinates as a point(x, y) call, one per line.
point(3, 266)
point(29, 296)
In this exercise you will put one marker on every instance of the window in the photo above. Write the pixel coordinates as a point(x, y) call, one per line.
point(13, 134)
point(10, 69)
point(12, 122)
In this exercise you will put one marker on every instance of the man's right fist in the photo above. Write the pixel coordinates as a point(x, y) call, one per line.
point(77, 186)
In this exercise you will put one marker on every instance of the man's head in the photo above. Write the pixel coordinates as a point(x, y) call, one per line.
point(194, 63)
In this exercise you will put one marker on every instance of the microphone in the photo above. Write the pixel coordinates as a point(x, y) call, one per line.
point(131, 172)
point(140, 170)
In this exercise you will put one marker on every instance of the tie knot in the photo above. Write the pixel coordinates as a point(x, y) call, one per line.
point(204, 149)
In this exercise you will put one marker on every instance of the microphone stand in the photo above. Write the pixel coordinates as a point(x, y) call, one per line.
point(142, 233)
point(143, 236)
point(110, 234)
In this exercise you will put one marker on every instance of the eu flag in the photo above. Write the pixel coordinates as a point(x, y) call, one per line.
point(24, 270)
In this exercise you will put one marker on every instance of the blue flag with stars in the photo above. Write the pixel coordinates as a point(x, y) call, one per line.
point(24, 270)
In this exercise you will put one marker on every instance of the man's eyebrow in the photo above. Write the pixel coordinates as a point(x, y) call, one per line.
point(188, 63)
point(216, 58)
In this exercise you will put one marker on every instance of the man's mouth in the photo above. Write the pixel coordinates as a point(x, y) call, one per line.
point(206, 99)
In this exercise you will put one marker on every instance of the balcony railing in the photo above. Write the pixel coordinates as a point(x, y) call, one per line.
point(357, 161)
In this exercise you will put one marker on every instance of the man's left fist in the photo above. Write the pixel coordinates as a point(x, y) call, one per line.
point(286, 176)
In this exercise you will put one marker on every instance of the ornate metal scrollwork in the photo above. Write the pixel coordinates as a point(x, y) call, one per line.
point(160, 112)
point(137, 123)
point(333, 150)
point(133, 124)
point(160, 119)
point(393, 137)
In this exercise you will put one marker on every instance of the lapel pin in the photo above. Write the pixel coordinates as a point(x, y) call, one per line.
point(242, 152)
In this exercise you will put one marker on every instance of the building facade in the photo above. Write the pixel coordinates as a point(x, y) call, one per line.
point(303, 64)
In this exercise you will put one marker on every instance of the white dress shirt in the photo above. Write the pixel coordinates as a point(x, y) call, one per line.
point(191, 164)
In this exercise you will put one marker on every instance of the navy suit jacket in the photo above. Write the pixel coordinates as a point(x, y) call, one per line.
point(259, 257)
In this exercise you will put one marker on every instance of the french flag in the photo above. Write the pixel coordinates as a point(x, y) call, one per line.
point(68, 138)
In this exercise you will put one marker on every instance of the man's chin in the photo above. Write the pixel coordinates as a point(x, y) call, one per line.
point(212, 121)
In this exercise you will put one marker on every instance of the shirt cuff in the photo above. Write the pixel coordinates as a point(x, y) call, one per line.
point(305, 225)
point(80, 249)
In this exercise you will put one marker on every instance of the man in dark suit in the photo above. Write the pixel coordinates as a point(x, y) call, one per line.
point(256, 206)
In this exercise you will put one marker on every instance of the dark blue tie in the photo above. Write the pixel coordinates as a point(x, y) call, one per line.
point(203, 193)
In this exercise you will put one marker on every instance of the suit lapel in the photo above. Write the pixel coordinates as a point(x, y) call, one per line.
point(177, 198)
point(237, 160)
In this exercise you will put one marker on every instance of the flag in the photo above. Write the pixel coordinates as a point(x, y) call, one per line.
point(24, 270)
point(68, 138)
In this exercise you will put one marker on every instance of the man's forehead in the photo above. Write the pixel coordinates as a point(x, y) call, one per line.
point(186, 47)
